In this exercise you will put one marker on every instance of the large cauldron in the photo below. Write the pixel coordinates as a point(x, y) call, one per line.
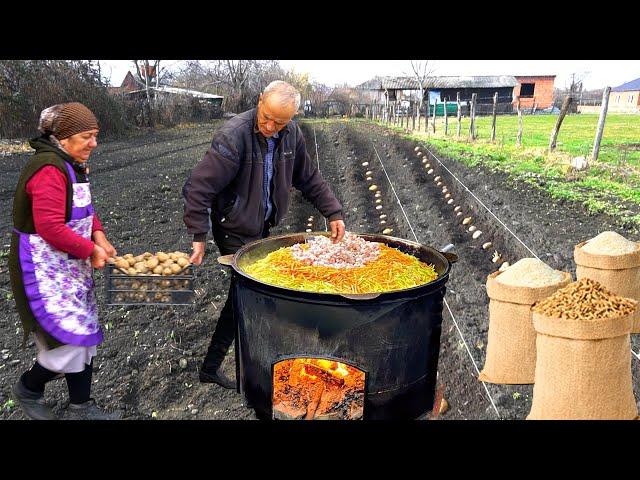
point(393, 337)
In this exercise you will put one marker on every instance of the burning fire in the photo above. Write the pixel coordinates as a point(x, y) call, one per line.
point(337, 369)
point(317, 388)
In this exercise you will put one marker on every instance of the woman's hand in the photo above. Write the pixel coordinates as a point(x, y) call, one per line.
point(98, 257)
point(99, 238)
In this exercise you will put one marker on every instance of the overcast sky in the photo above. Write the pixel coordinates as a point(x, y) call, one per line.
point(596, 73)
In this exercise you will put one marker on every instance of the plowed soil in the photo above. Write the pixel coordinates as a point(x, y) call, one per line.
point(137, 184)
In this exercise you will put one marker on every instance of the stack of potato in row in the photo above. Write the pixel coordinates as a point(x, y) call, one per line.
point(570, 339)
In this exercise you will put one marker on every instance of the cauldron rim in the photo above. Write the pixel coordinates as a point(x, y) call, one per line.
point(302, 236)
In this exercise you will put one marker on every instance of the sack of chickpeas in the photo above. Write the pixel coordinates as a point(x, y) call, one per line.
point(511, 344)
point(614, 262)
point(583, 365)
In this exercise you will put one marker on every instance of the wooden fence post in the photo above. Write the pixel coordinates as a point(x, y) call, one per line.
point(413, 118)
point(519, 137)
point(435, 109)
point(459, 113)
point(446, 121)
point(472, 117)
point(556, 129)
point(600, 130)
point(426, 117)
point(493, 121)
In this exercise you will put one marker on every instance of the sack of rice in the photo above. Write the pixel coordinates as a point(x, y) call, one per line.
point(583, 364)
point(511, 344)
point(614, 262)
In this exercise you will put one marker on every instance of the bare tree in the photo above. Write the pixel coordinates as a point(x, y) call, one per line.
point(145, 74)
point(423, 73)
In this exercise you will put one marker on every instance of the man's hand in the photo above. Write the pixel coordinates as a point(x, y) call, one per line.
point(198, 253)
point(337, 230)
point(99, 238)
point(98, 257)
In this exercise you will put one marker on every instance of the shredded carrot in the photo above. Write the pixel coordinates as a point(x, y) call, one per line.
point(392, 270)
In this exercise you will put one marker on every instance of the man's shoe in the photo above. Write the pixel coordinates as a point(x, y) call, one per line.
point(88, 410)
point(32, 402)
point(219, 378)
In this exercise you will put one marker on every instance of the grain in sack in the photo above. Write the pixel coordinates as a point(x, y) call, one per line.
point(614, 262)
point(511, 344)
point(583, 363)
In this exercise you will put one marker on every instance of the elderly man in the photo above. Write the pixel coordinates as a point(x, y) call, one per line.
point(243, 185)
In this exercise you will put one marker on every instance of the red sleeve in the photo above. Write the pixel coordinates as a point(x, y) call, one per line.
point(97, 225)
point(48, 192)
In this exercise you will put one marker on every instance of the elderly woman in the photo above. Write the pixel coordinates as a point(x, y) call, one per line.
point(57, 239)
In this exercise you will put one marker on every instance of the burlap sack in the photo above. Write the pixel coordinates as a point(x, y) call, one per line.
point(511, 346)
point(583, 369)
point(619, 274)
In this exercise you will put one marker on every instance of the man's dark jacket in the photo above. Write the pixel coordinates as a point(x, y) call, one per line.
point(229, 181)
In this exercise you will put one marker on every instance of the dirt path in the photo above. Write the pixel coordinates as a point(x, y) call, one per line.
point(137, 187)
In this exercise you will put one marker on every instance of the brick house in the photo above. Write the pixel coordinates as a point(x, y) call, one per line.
point(129, 84)
point(625, 98)
point(534, 89)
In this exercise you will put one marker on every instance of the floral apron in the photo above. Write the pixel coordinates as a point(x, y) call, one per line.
point(59, 286)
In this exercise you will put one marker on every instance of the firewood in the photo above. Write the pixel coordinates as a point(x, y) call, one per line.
point(313, 406)
point(320, 372)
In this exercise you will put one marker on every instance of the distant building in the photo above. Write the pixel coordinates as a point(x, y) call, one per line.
point(535, 90)
point(212, 102)
point(129, 84)
point(532, 89)
point(625, 98)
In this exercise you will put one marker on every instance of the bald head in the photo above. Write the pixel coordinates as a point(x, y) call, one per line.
point(283, 93)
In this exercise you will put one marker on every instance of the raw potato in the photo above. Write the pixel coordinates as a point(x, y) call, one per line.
point(122, 264)
point(162, 257)
point(158, 270)
point(131, 261)
point(183, 262)
point(167, 263)
point(167, 271)
point(132, 271)
point(152, 263)
point(140, 267)
point(175, 268)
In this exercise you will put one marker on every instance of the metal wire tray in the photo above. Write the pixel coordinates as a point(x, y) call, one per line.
point(122, 289)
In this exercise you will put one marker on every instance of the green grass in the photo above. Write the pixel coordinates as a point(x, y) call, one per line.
point(611, 185)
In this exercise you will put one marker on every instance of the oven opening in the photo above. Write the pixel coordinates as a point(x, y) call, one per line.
point(317, 389)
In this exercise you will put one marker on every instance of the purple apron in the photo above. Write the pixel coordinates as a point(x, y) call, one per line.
point(60, 287)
